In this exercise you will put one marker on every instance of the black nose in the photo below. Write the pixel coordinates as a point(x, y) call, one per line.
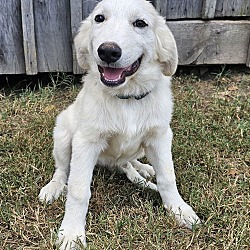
point(109, 52)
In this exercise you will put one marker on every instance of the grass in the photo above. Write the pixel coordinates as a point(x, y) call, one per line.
point(211, 149)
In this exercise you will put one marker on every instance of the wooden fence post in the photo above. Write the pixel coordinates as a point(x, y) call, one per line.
point(29, 42)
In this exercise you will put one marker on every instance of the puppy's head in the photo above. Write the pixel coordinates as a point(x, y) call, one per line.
point(121, 38)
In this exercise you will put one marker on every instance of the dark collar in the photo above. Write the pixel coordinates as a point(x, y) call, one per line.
point(137, 97)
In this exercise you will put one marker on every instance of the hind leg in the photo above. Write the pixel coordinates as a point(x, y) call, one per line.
point(62, 156)
point(135, 177)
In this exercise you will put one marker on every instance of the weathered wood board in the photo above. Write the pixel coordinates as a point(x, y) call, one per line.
point(76, 11)
point(183, 9)
point(88, 6)
point(232, 8)
point(53, 35)
point(11, 41)
point(161, 6)
point(208, 9)
point(194, 9)
point(248, 56)
point(211, 42)
point(29, 43)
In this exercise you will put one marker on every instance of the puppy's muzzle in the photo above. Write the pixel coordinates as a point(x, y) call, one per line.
point(110, 52)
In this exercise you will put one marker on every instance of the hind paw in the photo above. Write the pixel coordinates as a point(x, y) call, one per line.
point(51, 191)
point(144, 170)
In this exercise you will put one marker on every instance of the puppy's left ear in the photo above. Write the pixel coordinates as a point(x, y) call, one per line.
point(81, 42)
point(166, 50)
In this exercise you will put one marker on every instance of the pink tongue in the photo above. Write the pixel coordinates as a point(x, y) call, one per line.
point(112, 73)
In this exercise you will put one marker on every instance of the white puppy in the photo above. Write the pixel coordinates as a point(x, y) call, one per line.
point(123, 111)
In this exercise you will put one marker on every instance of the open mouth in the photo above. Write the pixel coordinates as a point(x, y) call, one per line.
point(113, 77)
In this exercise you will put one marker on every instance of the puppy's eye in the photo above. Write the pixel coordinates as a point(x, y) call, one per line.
point(99, 18)
point(140, 23)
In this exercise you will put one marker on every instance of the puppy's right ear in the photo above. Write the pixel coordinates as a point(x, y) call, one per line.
point(81, 42)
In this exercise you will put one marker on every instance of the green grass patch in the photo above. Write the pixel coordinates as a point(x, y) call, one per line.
point(211, 149)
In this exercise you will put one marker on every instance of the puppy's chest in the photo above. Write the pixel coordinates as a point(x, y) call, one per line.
point(124, 146)
point(126, 130)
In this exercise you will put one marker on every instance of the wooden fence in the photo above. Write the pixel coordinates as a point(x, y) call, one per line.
point(36, 35)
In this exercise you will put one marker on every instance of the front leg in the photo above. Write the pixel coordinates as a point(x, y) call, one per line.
point(158, 152)
point(84, 158)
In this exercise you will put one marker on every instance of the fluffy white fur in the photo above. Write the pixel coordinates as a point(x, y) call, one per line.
point(100, 128)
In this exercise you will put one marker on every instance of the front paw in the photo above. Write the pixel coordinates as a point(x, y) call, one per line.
point(71, 237)
point(184, 215)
